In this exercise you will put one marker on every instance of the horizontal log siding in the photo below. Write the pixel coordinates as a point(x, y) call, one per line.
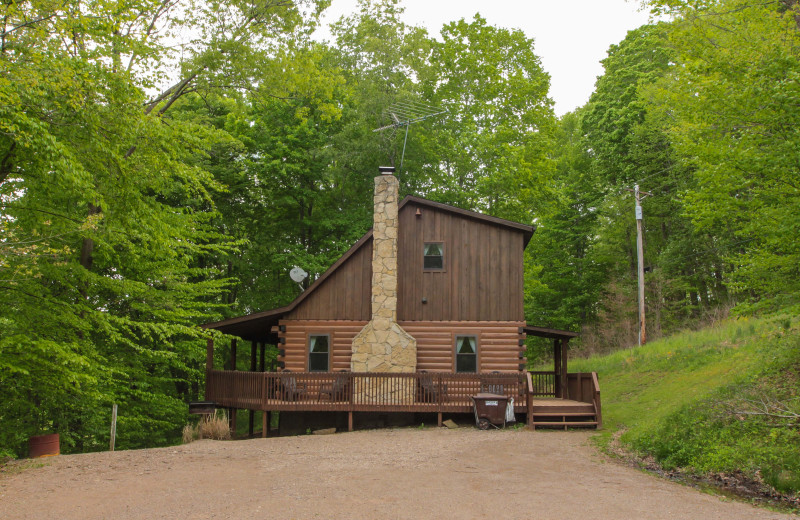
point(295, 347)
point(482, 278)
point(498, 343)
point(345, 294)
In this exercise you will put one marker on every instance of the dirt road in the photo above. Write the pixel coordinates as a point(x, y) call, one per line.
point(401, 473)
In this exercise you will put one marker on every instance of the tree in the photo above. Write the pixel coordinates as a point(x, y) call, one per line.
point(564, 292)
point(733, 108)
point(106, 211)
point(626, 134)
point(490, 152)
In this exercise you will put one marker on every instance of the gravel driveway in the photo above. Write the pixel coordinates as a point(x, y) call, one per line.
point(400, 473)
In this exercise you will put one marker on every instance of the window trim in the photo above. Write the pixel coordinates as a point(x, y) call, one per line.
point(443, 245)
point(476, 337)
point(309, 335)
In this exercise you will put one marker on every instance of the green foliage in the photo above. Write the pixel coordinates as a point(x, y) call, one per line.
point(733, 110)
point(687, 400)
point(627, 138)
point(145, 190)
point(489, 153)
point(106, 212)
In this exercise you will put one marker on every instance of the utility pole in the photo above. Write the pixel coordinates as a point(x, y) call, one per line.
point(640, 261)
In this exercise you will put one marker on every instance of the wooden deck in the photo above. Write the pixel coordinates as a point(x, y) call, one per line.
point(440, 392)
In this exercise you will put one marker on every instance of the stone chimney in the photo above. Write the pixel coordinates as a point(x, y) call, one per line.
point(382, 345)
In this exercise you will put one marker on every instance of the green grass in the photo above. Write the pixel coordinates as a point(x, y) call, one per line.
point(674, 398)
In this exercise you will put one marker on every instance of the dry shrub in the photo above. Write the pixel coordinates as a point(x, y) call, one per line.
point(189, 433)
point(214, 426)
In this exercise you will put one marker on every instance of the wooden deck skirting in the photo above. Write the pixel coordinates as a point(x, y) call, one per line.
point(435, 392)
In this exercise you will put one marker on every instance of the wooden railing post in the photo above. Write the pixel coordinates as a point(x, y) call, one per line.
point(529, 400)
point(564, 370)
point(439, 397)
point(596, 399)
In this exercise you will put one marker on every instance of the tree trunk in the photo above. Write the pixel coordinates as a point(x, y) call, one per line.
point(87, 247)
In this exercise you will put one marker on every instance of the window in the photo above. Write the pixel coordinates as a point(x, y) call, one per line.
point(466, 354)
point(318, 353)
point(434, 256)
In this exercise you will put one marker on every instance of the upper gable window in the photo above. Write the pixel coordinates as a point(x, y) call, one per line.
point(434, 256)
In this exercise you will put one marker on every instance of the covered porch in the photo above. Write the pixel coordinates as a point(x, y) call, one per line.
point(440, 393)
point(545, 398)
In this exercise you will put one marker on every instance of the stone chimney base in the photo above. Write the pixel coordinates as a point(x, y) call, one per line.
point(383, 346)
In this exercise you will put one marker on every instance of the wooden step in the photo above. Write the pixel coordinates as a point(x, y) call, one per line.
point(558, 410)
point(564, 414)
point(565, 424)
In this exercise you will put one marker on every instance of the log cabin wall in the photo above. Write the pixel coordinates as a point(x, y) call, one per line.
point(482, 278)
point(498, 343)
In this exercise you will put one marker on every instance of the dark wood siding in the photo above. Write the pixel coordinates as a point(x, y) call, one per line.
point(345, 294)
point(498, 343)
point(482, 279)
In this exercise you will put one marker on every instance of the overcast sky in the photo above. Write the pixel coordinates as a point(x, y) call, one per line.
point(571, 37)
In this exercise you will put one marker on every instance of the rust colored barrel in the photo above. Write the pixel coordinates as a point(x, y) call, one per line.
point(44, 445)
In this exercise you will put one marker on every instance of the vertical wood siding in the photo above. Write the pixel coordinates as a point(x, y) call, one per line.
point(482, 278)
point(498, 343)
point(345, 294)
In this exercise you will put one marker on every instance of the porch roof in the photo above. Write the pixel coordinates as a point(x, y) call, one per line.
point(543, 332)
point(252, 327)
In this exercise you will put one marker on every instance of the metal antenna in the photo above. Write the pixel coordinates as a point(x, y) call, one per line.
point(404, 113)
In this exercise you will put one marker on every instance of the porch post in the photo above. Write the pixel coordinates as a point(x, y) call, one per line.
point(557, 366)
point(209, 354)
point(564, 350)
point(232, 422)
point(232, 411)
point(261, 356)
point(264, 424)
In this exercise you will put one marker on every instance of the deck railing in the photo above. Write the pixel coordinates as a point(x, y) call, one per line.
point(346, 391)
point(543, 384)
point(585, 387)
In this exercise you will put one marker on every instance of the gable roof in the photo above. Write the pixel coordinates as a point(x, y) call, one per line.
point(257, 326)
point(526, 230)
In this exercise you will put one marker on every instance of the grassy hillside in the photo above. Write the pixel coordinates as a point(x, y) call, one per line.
point(722, 399)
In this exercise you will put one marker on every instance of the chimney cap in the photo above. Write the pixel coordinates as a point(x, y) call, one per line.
point(386, 170)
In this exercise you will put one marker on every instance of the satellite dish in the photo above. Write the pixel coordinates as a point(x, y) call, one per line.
point(297, 274)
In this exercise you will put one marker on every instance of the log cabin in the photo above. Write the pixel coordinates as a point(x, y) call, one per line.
point(424, 311)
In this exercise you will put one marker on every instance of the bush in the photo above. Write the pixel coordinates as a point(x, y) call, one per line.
point(210, 427)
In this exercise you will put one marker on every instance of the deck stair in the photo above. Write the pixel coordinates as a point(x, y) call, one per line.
point(563, 413)
point(581, 410)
